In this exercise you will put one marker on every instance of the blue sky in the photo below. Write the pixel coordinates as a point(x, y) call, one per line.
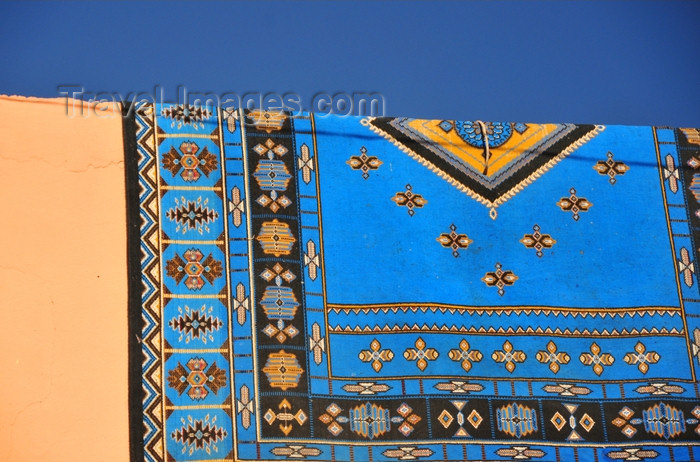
point(594, 62)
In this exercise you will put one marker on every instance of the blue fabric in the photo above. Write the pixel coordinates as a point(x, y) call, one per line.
point(396, 289)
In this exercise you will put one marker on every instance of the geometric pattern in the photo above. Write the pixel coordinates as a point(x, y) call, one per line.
point(538, 241)
point(454, 241)
point(499, 278)
point(611, 168)
point(420, 354)
point(574, 204)
point(516, 420)
point(492, 166)
point(364, 163)
point(295, 303)
point(409, 199)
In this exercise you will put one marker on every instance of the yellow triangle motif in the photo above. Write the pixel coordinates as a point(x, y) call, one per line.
point(492, 161)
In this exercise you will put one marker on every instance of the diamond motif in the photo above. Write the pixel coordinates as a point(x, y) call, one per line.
point(509, 356)
point(537, 241)
point(454, 241)
point(558, 421)
point(404, 410)
point(553, 357)
point(626, 412)
point(406, 419)
point(596, 358)
point(190, 160)
point(629, 431)
point(409, 199)
point(445, 418)
point(282, 370)
point(611, 168)
point(664, 420)
point(369, 420)
point(475, 418)
point(286, 417)
point(446, 125)
point(574, 204)
point(465, 355)
point(335, 428)
point(500, 279)
point(420, 354)
point(641, 357)
point(364, 163)
point(405, 429)
point(376, 355)
point(586, 422)
point(516, 420)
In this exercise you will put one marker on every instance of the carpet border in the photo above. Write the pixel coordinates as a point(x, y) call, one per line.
point(134, 304)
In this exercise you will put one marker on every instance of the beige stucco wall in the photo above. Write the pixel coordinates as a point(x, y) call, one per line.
point(63, 292)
